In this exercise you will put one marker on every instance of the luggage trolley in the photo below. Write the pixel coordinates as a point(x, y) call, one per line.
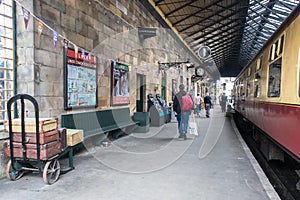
point(17, 166)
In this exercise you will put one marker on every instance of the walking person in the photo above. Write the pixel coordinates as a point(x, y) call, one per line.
point(199, 101)
point(223, 102)
point(212, 99)
point(182, 106)
point(207, 103)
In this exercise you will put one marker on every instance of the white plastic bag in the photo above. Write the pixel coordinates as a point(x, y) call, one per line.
point(193, 129)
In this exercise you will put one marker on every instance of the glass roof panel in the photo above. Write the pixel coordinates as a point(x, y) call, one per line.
point(264, 17)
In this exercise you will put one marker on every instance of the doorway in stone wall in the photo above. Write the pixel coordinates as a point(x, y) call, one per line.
point(141, 93)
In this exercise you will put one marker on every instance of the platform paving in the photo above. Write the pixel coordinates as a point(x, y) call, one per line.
point(157, 165)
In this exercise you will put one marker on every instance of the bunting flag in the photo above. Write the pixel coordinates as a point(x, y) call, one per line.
point(40, 27)
point(55, 38)
point(66, 43)
point(26, 15)
point(76, 51)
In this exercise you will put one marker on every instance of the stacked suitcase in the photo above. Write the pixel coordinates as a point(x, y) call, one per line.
point(50, 143)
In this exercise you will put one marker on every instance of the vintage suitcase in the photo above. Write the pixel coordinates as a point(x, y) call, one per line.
point(45, 137)
point(46, 150)
point(45, 124)
point(74, 136)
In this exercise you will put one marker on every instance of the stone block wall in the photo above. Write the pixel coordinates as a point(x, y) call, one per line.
point(108, 29)
point(105, 28)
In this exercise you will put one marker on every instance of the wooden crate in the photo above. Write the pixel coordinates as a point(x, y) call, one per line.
point(45, 125)
point(74, 136)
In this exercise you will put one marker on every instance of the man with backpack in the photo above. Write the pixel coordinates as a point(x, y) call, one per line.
point(182, 106)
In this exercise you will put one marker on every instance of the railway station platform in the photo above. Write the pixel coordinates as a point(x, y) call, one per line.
point(214, 165)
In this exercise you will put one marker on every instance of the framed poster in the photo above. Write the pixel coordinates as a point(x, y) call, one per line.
point(119, 83)
point(80, 79)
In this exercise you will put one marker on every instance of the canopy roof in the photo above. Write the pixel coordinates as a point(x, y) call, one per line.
point(234, 30)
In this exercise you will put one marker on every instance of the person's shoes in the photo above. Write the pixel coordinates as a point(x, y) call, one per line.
point(180, 136)
point(184, 137)
point(207, 116)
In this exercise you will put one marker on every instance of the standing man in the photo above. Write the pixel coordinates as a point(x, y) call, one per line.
point(207, 102)
point(182, 116)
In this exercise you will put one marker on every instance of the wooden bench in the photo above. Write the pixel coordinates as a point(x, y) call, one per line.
point(100, 123)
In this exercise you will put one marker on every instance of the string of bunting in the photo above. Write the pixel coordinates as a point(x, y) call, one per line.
point(41, 25)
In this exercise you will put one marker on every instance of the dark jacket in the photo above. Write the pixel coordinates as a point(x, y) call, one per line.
point(178, 101)
point(207, 100)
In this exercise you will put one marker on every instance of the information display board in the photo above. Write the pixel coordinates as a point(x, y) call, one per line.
point(80, 76)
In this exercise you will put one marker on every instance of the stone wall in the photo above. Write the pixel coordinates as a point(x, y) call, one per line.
point(105, 28)
point(108, 29)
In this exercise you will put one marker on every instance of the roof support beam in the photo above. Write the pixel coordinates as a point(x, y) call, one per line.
point(201, 10)
point(216, 33)
point(199, 22)
point(179, 8)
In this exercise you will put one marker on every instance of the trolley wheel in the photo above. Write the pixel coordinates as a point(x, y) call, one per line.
point(13, 174)
point(51, 171)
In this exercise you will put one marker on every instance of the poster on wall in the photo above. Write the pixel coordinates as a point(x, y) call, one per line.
point(80, 76)
point(119, 83)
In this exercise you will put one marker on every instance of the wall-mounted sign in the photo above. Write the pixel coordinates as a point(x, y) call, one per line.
point(119, 83)
point(146, 32)
point(80, 79)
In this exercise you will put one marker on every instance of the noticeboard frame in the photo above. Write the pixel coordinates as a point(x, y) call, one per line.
point(80, 79)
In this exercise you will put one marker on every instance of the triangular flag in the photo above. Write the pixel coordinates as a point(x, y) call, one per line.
point(66, 43)
point(55, 38)
point(40, 27)
point(26, 15)
point(76, 51)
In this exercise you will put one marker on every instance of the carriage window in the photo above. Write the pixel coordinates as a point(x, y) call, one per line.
point(241, 92)
point(258, 64)
point(281, 41)
point(257, 84)
point(274, 79)
point(276, 49)
point(248, 87)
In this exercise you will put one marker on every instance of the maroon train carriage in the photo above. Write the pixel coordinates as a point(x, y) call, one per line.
point(267, 91)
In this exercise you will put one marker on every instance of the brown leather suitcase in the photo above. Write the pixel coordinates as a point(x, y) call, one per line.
point(45, 137)
point(46, 150)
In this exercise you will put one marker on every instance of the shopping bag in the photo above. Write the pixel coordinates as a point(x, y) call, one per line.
point(193, 129)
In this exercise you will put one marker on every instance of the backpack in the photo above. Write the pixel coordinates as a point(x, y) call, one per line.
point(187, 103)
